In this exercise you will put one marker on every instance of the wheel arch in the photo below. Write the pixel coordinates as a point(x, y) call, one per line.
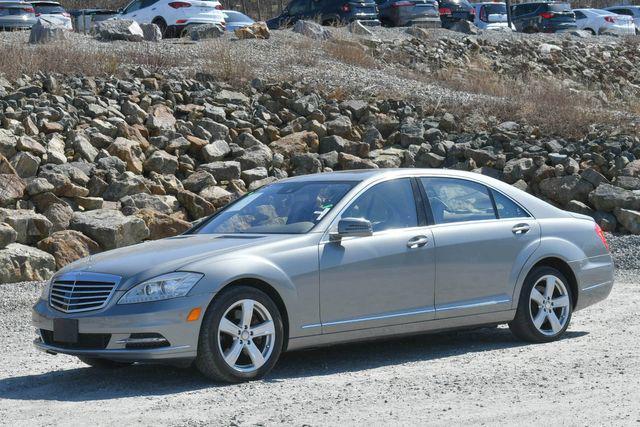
point(563, 267)
point(271, 292)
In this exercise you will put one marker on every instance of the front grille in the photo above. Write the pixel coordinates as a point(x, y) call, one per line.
point(71, 296)
point(85, 341)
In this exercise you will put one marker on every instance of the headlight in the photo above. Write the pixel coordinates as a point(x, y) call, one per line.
point(167, 286)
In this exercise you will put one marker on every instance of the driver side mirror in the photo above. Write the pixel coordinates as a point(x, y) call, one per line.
point(352, 227)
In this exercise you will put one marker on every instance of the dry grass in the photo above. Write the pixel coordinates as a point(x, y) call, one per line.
point(227, 63)
point(65, 58)
point(351, 53)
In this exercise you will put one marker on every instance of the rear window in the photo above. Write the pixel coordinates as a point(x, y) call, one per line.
point(49, 9)
point(558, 7)
point(464, 3)
point(14, 9)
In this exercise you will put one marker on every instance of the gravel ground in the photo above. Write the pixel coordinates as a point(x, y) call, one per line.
point(482, 376)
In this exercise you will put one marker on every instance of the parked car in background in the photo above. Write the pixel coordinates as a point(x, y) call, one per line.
point(400, 13)
point(598, 21)
point(327, 12)
point(173, 16)
point(234, 20)
point(543, 17)
point(16, 15)
point(491, 16)
point(325, 259)
point(53, 12)
point(452, 11)
point(632, 11)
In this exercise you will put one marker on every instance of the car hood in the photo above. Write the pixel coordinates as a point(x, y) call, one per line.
point(143, 261)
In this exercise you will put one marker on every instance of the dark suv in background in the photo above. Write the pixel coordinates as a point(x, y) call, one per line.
point(399, 13)
point(543, 17)
point(452, 11)
point(327, 12)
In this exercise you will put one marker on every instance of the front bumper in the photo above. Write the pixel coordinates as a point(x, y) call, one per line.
point(116, 323)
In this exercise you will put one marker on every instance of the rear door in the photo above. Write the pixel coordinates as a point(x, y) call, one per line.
point(482, 240)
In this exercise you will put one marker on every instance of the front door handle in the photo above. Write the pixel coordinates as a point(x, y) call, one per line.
point(417, 242)
point(520, 228)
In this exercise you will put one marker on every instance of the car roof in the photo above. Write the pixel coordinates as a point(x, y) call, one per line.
point(46, 3)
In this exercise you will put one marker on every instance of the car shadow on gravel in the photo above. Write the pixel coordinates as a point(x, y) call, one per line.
point(87, 384)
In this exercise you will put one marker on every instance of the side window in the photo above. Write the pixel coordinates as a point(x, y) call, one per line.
point(133, 6)
point(147, 3)
point(458, 200)
point(388, 205)
point(579, 15)
point(508, 208)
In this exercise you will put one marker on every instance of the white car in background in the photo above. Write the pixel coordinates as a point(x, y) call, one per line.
point(53, 12)
point(491, 16)
point(173, 16)
point(632, 11)
point(598, 21)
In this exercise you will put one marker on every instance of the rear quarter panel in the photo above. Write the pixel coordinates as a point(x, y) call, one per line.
point(574, 241)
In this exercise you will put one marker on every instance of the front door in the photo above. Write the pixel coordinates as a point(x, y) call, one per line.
point(482, 240)
point(383, 279)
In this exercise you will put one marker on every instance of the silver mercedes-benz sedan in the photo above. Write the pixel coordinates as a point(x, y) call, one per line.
point(329, 258)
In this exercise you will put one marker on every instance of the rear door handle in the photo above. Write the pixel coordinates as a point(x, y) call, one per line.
point(417, 242)
point(520, 228)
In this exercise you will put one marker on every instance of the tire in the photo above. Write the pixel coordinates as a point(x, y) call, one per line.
point(543, 316)
point(98, 363)
point(162, 25)
point(226, 331)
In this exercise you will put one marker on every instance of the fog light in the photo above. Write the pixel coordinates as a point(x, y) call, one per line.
point(194, 314)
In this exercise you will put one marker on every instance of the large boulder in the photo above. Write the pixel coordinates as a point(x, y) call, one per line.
point(45, 31)
point(630, 219)
point(223, 171)
point(67, 246)
point(296, 143)
point(120, 29)
point(11, 189)
point(30, 227)
point(196, 205)
point(7, 235)
point(110, 228)
point(312, 30)
point(151, 32)
point(257, 30)
point(566, 188)
point(161, 225)
point(205, 31)
point(129, 152)
point(20, 263)
point(163, 204)
point(607, 197)
point(464, 26)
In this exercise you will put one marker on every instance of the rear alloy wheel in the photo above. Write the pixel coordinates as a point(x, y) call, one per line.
point(545, 306)
point(241, 336)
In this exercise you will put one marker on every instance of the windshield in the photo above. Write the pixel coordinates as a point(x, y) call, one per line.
point(281, 208)
point(236, 16)
point(49, 9)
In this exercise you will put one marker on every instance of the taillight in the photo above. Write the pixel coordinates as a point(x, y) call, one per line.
point(219, 7)
point(601, 235)
point(38, 14)
point(609, 19)
point(472, 11)
point(402, 4)
point(179, 4)
point(29, 9)
point(444, 11)
point(546, 15)
point(346, 8)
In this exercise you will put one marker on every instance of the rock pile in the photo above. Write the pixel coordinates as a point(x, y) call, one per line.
point(607, 66)
point(92, 164)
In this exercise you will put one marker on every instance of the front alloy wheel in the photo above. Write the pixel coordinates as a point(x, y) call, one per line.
point(246, 335)
point(545, 306)
point(241, 336)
